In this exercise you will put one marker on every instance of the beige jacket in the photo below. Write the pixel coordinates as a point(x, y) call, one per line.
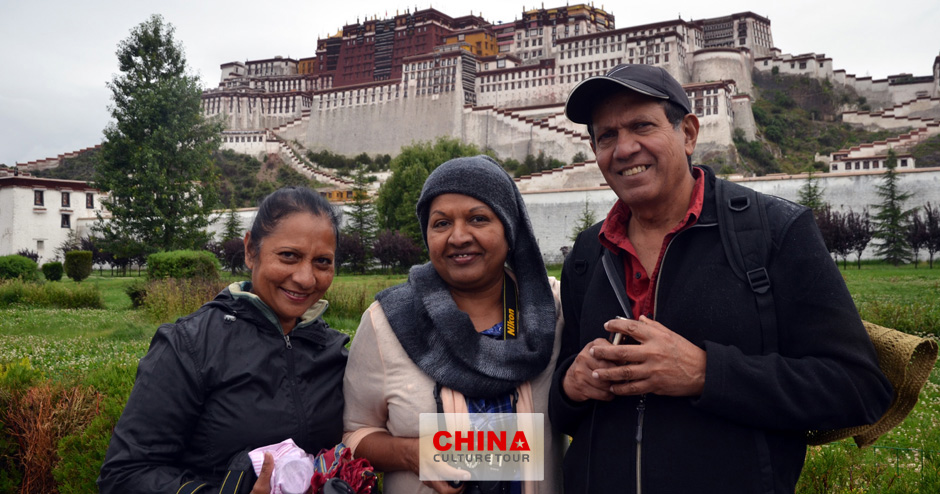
point(385, 391)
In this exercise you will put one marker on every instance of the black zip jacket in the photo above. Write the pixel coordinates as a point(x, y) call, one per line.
point(745, 433)
point(220, 381)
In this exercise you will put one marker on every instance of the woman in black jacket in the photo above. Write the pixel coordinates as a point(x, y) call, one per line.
point(253, 367)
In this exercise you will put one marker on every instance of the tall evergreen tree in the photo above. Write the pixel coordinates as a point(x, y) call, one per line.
point(811, 195)
point(233, 225)
point(362, 218)
point(360, 229)
point(156, 161)
point(585, 221)
point(891, 218)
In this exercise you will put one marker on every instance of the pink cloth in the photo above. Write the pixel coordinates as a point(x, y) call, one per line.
point(294, 476)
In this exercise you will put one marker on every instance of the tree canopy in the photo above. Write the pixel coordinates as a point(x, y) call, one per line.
point(397, 197)
point(156, 161)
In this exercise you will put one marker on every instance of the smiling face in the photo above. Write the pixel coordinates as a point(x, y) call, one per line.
point(466, 242)
point(293, 267)
point(642, 156)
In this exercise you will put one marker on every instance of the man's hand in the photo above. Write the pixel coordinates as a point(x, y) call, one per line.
point(663, 362)
point(581, 382)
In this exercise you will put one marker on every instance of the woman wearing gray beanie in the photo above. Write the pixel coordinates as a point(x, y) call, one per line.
point(441, 343)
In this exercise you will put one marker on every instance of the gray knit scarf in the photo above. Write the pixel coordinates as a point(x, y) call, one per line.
point(436, 334)
point(441, 340)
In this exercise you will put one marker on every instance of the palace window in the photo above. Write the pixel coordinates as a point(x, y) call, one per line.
point(66, 200)
point(89, 200)
point(66, 221)
point(38, 199)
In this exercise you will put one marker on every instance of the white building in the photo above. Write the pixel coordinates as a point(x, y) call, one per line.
point(37, 214)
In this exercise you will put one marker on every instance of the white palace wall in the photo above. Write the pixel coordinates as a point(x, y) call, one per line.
point(555, 213)
point(383, 128)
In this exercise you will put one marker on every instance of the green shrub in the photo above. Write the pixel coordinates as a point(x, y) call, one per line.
point(170, 298)
point(81, 454)
point(13, 292)
point(15, 266)
point(52, 295)
point(136, 291)
point(15, 379)
point(183, 264)
point(53, 270)
point(78, 264)
point(350, 300)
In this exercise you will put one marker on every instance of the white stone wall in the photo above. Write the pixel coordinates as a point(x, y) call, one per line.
point(554, 213)
point(744, 117)
point(901, 93)
point(719, 65)
point(384, 128)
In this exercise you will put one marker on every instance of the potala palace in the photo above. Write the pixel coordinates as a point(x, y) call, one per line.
point(383, 83)
point(379, 84)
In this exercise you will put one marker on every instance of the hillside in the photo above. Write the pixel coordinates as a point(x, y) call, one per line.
point(244, 180)
point(796, 118)
point(927, 153)
point(81, 167)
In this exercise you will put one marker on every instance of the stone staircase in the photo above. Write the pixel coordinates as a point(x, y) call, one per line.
point(569, 177)
point(554, 125)
point(921, 114)
point(517, 132)
point(294, 129)
point(903, 142)
point(915, 113)
point(297, 161)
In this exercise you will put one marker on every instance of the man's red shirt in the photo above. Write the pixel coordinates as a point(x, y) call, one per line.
point(641, 286)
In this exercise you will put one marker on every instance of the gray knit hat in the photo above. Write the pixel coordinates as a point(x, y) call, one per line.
point(439, 337)
point(482, 178)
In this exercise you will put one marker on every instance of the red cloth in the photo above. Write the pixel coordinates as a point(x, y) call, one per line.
point(641, 286)
point(338, 462)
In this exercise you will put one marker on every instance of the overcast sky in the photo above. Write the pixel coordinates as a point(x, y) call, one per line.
point(57, 55)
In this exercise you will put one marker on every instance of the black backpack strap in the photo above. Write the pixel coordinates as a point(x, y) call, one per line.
point(745, 236)
point(616, 283)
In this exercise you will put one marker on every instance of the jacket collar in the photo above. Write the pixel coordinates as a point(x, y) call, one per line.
point(241, 291)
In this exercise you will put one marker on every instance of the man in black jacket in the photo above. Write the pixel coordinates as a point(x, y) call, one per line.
point(699, 401)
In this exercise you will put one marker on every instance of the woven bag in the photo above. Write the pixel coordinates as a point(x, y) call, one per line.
point(906, 361)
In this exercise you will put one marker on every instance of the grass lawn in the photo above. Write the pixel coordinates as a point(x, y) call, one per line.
point(68, 344)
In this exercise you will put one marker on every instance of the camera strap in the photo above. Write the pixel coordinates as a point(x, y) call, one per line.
point(510, 303)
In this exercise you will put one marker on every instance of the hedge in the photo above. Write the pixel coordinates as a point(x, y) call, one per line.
point(182, 264)
point(16, 266)
point(78, 264)
point(53, 271)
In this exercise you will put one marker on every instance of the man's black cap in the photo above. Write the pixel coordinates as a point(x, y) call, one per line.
point(644, 79)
